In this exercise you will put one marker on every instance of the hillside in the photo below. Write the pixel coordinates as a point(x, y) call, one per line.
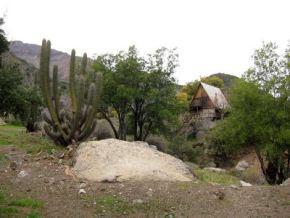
point(227, 78)
point(31, 53)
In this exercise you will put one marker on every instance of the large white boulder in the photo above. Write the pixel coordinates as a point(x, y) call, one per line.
point(115, 160)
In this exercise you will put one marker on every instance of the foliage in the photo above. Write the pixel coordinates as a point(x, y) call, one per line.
point(259, 115)
point(18, 98)
point(140, 90)
point(180, 147)
point(30, 142)
point(4, 44)
point(66, 126)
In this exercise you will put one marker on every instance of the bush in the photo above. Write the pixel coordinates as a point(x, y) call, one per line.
point(102, 131)
point(183, 149)
point(159, 141)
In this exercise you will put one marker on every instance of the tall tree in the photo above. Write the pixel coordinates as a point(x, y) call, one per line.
point(260, 114)
point(139, 89)
point(3, 40)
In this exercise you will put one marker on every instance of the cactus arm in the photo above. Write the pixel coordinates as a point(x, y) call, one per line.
point(56, 97)
point(87, 132)
point(84, 64)
point(72, 81)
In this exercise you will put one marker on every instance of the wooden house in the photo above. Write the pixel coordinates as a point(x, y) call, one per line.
point(208, 102)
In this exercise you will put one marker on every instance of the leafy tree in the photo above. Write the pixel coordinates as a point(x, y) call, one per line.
point(17, 99)
point(259, 114)
point(140, 90)
point(3, 40)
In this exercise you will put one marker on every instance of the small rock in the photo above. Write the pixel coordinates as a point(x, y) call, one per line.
point(51, 181)
point(211, 164)
point(82, 191)
point(110, 179)
point(286, 182)
point(60, 161)
point(219, 194)
point(13, 165)
point(83, 185)
point(138, 201)
point(242, 165)
point(215, 169)
point(22, 174)
point(245, 184)
point(234, 187)
point(40, 176)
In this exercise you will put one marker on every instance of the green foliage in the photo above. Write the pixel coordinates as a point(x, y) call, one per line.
point(4, 44)
point(180, 147)
point(18, 99)
point(141, 91)
point(259, 115)
point(66, 126)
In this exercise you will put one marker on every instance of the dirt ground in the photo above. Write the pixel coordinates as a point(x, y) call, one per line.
point(49, 180)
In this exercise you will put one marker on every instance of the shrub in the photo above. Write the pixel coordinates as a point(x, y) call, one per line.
point(159, 141)
point(183, 149)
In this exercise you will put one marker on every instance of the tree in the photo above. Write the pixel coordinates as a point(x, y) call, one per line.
point(3, 40)
point(141, 90)
point(260, 114)
point(74, 124)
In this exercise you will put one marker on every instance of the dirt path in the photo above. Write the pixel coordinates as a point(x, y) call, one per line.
point(49, 181)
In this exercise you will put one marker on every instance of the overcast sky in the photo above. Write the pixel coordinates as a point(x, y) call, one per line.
point(211, 35)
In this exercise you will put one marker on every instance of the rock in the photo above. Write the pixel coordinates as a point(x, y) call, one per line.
point(211, 164)
point(2, 123)
point(245, 184)
point(13, 165)
point(138, 201)
point(82, 191)
point(242, 165)
point(286, 182)
point(113, 160)
point(234, 187)
point(83, 185)
point(219, 194)
point(215, 169)
point(51, 181)
point(22, 174)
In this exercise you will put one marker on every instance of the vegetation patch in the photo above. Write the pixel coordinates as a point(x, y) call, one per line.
point(222, 178)
point(26, 202)
point(31, 143)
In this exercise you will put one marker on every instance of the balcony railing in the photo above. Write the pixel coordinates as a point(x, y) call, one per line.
point(201, 102)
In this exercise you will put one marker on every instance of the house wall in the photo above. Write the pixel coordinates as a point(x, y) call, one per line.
point(201, 93)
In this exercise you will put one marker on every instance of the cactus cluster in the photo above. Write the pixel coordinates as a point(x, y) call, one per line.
point(69, 125)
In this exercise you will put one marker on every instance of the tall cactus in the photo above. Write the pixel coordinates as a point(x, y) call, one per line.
point(68, 125)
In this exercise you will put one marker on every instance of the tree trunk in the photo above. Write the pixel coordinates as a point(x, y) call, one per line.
point(122, 126)
point(111, 124)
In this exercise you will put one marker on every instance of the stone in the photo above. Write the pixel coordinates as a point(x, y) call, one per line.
point(286, 182)
point(234, 187)
point(13, 165)
point(138, 201)
point(83, 185)
point(113, 160)
point(245, 184)
point(213, 169)
point(211, 164)
point(22, 174)
point(242, 165)
point(82, 191)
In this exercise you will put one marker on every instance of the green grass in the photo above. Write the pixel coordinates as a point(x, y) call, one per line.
point(26, 202)
point(18, 137)
point(26, 207)
point(222, 178)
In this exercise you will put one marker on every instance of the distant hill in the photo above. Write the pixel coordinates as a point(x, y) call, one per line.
point(31, 54)
point(227, 78)
point(27, 70)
